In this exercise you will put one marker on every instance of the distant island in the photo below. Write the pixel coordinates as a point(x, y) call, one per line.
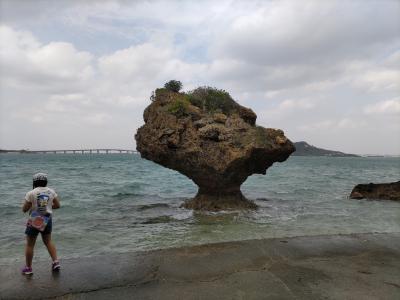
point(305, 149)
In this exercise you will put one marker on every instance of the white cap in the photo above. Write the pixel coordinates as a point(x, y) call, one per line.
point(40, 176)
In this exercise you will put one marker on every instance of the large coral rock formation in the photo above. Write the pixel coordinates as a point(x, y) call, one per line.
point(384, 191)
point(216, 144)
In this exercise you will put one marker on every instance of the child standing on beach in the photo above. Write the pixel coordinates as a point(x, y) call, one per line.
point(40, 203)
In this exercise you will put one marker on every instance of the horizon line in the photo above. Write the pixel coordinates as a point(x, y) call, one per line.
point(134, 150)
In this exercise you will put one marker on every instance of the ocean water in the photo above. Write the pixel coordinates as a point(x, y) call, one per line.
point(114, 203)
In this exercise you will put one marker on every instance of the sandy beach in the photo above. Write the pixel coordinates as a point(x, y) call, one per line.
point(357, 266)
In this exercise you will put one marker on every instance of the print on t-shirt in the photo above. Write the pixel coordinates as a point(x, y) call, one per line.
point(42, 200)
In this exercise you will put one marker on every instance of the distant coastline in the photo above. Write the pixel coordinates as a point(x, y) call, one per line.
point(71, 151)
point(13, 151)
point(305, 149)
point(302, 149)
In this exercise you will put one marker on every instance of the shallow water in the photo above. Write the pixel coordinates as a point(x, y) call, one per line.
point(118, 202)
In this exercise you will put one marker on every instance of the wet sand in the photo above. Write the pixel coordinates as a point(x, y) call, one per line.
point(357, 266)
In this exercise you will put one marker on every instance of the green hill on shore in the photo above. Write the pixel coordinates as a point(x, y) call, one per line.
point(305, 149)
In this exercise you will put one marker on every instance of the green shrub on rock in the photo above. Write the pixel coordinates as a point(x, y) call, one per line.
point(212, 100)
point(179, 107)
point(173, 86)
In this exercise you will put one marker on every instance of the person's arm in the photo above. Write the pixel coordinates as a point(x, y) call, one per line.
point(56, 203)
point(27, 206)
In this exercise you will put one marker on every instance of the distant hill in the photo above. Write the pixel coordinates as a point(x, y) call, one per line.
point(305, 149)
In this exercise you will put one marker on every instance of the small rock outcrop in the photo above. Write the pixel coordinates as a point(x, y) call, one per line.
point(211, 139)
point(383, 191)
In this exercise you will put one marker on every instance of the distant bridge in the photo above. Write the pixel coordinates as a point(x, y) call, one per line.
point(74, 151)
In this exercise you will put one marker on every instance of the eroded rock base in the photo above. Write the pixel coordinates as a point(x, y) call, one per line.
point(219, 201)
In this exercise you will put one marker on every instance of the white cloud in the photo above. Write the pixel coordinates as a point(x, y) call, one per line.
point(141, 62)
point(98, 118)
point(348, 123)
point(296, 104)
point(61, 60)
point(291, 32)
point(322, 85)
point(67, 103)
point(38, 119)
point(331, 126)
point(384, 107)
point(308, 68)
point(57, 66)
point(393, 60)
point(377, 80)
point(287, 109)
point(322, 126)
point(62, 87)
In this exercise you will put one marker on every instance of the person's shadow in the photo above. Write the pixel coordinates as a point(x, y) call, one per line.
point(56, 274)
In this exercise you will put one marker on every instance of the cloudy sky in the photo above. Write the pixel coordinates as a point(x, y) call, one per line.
point(78, 74)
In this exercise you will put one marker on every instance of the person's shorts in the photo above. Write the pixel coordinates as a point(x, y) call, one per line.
point(32, 231)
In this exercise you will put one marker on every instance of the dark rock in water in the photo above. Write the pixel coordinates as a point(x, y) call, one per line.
point(384, 191)
point(211, 139)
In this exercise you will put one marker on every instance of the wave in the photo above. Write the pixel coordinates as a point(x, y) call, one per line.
point(179, 216)
point(159, 219)
point(10, 211)
point(125, 195)
point(151, 206)
point(263, 199)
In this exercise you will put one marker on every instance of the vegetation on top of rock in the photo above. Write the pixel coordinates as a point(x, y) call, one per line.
point(202, 100)
point(153, 96)
point(173, 86)
point(179, 107)
point(212, 100)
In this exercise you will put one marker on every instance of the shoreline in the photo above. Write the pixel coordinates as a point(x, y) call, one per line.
point(46, 259)
point(360, 266)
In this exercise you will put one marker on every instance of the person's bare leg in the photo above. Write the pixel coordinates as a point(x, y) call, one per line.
point(50, 246)
point(30, 244)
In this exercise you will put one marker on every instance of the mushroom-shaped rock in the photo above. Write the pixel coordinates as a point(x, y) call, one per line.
point(211, 139)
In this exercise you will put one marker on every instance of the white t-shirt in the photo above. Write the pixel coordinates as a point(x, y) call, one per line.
point(41, 199)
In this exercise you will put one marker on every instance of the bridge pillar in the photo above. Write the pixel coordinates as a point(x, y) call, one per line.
point(98, 151)
point(106, 151)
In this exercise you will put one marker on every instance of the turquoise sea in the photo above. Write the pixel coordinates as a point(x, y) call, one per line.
point(120, 202)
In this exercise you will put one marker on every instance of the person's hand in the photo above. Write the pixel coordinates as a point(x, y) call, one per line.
point(27, 206)
point(56, 203)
